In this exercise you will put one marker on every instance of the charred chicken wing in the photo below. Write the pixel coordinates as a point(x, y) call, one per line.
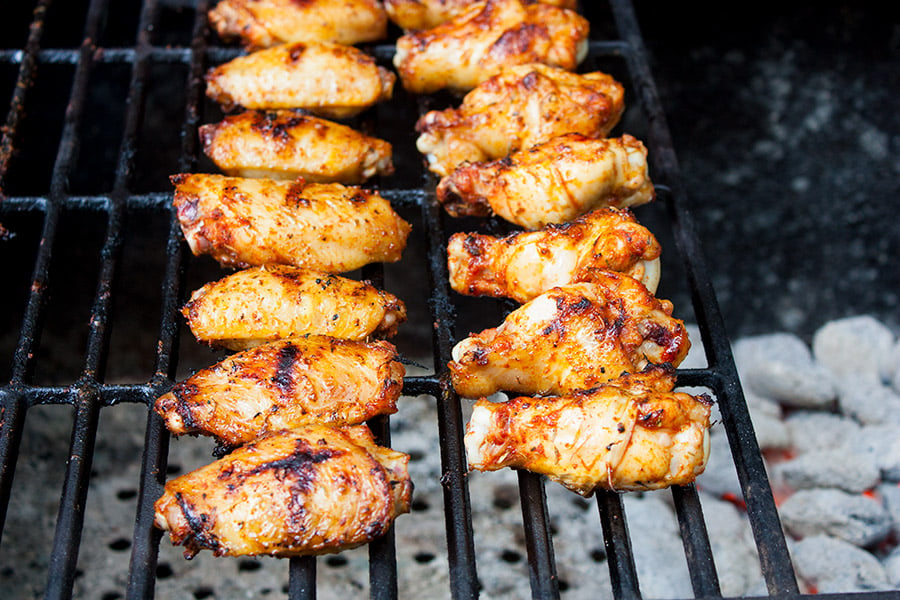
point(570, 338)
point(324, 226)
point(287, 144)
point(262, 304)
point(330, 80)
point(525, 264)
point(312, 490)
point(552, 182)
point(425, 14)
point(521, 106)
point(477, 43)
point(616, 436)
point(285, 384)
point(265, 23)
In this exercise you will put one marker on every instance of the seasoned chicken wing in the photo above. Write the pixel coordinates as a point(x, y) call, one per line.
point(285, 384)
point(330, 80)
point(523, 265)
point(552, 182)
point(521, 106)
point(265, 23)
point(287, 144)
point(262, 304)
point(615, 437)
point(425, 14)
point(323, 226)
point(476, 44)
point(570, 338)
point(312, 490)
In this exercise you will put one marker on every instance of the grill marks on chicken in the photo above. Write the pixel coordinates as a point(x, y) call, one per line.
point(523, 265)
point(552, 182)
point(265, 23)
point(521, 106)
point(571, 338)
point(259, 305)
point(246, 222)
point(626, 435)
point(288, 144)
point(312, 490)
point(487, 36)
point(284, 384)
point(329, 80)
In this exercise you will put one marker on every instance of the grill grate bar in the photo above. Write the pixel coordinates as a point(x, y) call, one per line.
point(704, 579)
point(538, 540)
point(622, 572)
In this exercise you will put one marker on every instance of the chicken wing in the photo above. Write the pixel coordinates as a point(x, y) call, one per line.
point(287, 144)
point(266, 23)
point(263, 304)
point(285, 384)
point(462, 53)
point(521, 106)
point(412, 15)
point(570, 338)
point(552, 182)
point(312, 490)
point(614, 437)
point(323, 226)
point(523, 265)
point(329, 80)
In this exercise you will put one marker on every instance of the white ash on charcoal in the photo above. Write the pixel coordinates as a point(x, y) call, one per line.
point(813, 431)
point(869, 400)
point(855, 518)
point(830, 565)
point(892, 567)
point(839, 468)
point(854, 347)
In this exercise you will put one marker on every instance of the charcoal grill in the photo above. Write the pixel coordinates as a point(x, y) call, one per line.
point(59, 164)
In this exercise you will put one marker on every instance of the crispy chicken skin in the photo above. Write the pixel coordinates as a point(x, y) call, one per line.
point(263, 304)
point(285, 384)
point(521, 106)
point(329, 80)
point(266, 23)
point(570, 338)
point(312, 490)
point(412, 15)
point(616, 436)
point(324, 226)
point(476, 44)
point(523, 265)
point(552, 182)
point(288, 144)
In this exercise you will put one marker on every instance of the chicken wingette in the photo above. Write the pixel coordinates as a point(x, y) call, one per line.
point(307, 491)
point(571, 338)
point(329, 80)
point(413, 15)
point(487, 36)
point(266, 23)
point(552, 182)
point(284, 384)
point(324, 226)
point(617, 436)
point(521, 106)
point(288, 144)
point(523, 265)
point(263, 304)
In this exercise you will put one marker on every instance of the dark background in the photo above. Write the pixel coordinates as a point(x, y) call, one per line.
point(785, 120)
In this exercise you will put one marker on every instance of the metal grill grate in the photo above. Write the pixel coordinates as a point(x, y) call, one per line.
point(100, 49)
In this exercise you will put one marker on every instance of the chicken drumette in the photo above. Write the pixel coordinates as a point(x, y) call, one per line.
point(413, 15)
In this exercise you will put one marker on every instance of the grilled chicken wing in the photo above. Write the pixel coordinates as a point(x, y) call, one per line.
point(312, 490)
point(521, 106)
point(330, 80)
point(324, 226)
point(523, 265)
point(552, 182)
point(570, 338)
point(285, 384)
point(463, 52)
point(287, 144)
point(413, 15)
point(616, 437)
point(266, 23)
point(262, 304)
